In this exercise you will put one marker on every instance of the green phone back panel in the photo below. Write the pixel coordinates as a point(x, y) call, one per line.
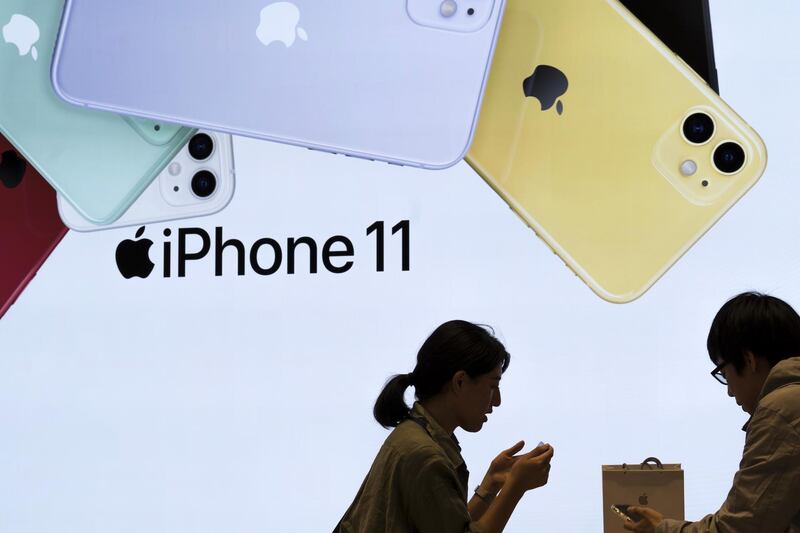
point(100, 162)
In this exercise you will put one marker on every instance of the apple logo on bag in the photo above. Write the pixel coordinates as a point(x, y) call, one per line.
point(279, 22)
point(12, 168)
point(133, 257)
point(547, 84)
point(23, 33)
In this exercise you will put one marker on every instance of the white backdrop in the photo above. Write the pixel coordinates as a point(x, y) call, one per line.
point(243, 404)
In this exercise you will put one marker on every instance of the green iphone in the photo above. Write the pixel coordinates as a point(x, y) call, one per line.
point(99, 162)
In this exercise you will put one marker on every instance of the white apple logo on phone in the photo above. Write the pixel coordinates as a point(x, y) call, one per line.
point(279, 23)
point(22, 32)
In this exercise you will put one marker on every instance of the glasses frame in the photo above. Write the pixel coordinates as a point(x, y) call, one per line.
point(718, 373)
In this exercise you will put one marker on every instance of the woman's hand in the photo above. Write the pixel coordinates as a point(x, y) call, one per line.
point(531, 470)
point(648, 524)
point(499, 468)
point(518, 474)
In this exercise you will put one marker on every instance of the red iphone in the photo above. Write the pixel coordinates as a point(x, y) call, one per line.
point(30, 227)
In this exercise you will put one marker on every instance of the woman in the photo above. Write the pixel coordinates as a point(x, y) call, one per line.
point(418, 481)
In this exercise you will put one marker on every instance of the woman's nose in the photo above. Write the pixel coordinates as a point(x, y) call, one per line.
point(496, 399)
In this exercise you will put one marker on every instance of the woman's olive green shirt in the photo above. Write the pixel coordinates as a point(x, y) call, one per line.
point(417, 483)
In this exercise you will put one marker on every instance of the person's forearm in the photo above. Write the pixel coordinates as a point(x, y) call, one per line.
point(707, 524)
point(495, 517)
point(671, 526)
point(477, 507)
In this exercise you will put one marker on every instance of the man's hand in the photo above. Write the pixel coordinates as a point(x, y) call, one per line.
point(647, 525)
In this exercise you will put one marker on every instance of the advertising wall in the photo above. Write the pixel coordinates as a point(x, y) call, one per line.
point(233, 392)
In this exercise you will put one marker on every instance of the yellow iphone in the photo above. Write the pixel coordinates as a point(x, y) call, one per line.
point(612, 149)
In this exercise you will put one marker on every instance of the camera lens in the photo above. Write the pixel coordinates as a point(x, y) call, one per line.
point(204, 184)
point(698, 128)
point(729, 157)
point(201, 146)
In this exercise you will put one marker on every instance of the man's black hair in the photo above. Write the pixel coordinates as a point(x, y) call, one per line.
point(753, 322)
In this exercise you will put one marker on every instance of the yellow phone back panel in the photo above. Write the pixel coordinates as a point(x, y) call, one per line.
point(597, 174)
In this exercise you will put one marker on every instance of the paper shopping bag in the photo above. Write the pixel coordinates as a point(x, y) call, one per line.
point(650, 483)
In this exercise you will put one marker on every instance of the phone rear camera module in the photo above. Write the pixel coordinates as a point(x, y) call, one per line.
point(201, 147)
point(204, 183)
point(729, 157)
point(698, 128)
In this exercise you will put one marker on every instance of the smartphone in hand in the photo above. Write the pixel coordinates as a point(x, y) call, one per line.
point(624, 513)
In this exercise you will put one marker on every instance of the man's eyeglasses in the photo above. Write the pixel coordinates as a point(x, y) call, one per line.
point(719, 374)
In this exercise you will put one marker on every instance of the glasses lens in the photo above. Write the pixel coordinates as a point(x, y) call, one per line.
point(719, 374)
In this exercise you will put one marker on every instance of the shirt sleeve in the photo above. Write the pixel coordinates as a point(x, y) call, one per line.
point(765, 488)
point(435, 503)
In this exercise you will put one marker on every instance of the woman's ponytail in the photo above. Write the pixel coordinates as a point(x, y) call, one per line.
point(390, 407)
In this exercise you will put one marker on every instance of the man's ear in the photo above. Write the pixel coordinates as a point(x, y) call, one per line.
point(750, 361)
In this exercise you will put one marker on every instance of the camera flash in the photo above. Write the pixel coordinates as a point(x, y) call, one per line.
point(174, 169)
point(448, 8)
point(688, 167)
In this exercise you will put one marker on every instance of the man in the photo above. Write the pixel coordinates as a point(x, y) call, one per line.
point(755, 343)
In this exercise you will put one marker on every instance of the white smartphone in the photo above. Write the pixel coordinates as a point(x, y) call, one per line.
point(397, 81)
point(623, 512)
point(198, 181)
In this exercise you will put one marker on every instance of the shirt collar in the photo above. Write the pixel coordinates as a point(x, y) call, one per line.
point(746, 424)
point(448, 442)
point(785, 372)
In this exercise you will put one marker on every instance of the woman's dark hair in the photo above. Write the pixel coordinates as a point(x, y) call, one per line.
point(453, 346)
point(753, 322)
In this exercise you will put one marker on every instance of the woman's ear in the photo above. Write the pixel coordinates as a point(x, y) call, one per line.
point(457, 381)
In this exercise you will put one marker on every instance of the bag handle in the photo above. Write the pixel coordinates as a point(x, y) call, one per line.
point(647, 462)
point(653, 460)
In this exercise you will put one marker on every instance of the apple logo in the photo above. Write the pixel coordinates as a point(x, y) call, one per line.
point(546, 84)
point(279, 23)
point(643, 499)
point(22, 32)
point(12, 168)
point(133, 257)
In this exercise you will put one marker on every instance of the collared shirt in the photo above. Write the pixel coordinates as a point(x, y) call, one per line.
point(417, 484)
point(765, 497)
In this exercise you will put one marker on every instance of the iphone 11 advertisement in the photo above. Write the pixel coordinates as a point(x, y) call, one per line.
point(205, 294)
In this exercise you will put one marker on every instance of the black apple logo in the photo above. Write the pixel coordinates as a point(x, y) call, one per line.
point(12, 168)
point(643, 499)
point(546, 84)
point(133, 257)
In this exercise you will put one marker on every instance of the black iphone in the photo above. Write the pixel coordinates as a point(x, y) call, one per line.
point(685, 27)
